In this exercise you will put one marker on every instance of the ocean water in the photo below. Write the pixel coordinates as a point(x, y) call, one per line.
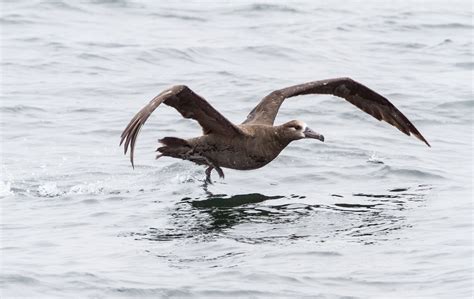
point(370, 213)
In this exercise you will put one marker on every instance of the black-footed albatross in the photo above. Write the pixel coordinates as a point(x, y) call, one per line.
point(256, 141)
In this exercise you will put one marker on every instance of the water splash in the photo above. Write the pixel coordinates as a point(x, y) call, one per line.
point(5, 189)
point(49, 189)
point(375, 159)
point(90, 188)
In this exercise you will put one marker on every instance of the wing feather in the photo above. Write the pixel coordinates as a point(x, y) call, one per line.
point(355, 93)
point(190, 105)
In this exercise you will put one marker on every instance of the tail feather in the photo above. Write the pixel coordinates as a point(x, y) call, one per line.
point(174, 142)
point(173, 147)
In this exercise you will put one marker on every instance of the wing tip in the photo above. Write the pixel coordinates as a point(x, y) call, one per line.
point(426, 142)
point(421, 138)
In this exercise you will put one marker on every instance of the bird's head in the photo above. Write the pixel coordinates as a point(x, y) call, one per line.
point(296, 129)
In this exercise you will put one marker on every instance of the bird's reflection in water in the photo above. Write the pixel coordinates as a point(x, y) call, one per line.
point(287, 218)
point(222, 212)
point(224, 201)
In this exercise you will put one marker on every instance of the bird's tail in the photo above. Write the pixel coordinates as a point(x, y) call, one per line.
point(173, 147)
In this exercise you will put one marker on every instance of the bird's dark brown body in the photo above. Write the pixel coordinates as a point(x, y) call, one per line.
point(256, 142)
point(257, 147)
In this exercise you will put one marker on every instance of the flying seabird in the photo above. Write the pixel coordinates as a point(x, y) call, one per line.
point(256, 141)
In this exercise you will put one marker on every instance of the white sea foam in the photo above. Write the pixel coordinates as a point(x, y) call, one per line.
point(89, 188)
point(49, 189)
point(374, 158)
point(5, 189)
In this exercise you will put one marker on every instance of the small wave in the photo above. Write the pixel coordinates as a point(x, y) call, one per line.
point(86, 110)
point(272, 50)
point(5, 189)
point(405, 45)
point(100, 132)
point(447, 26)
point(92, 188)
point(128, 292)
point(49, 189)
point(353, 205)
point(89, 56)
point(118, 3)
point(264, 7)
point(179, 17)
point(398, 189)
point(447, 41)
point(56, 45)
point(343, 28)
point(21, 108)
point(157, 55)
point(465, 65)
point(375, 159)
point(457, 105)
point(30, 39)
point(376, 195)
point(424, 187)
point(108, 45)
point(15, 19)
point(60, 5)
point(417, 27)
point(406, 172)
point(19, 279)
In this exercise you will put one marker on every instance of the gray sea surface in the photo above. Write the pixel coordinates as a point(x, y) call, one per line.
point(370, 213)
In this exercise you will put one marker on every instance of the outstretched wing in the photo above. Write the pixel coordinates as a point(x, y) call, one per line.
point(359, 95)
point(190, 105)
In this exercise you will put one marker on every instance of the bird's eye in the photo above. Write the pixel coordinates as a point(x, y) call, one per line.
point(298, 128)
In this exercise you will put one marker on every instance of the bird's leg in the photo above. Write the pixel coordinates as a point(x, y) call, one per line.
point(208, 174)
point(219, 171)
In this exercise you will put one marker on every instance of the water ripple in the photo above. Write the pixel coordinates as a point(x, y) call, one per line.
point(221, 215)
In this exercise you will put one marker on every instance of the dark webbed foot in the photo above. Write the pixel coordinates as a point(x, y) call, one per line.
point(219, 171)
point(209, 170)
point(208, 175)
